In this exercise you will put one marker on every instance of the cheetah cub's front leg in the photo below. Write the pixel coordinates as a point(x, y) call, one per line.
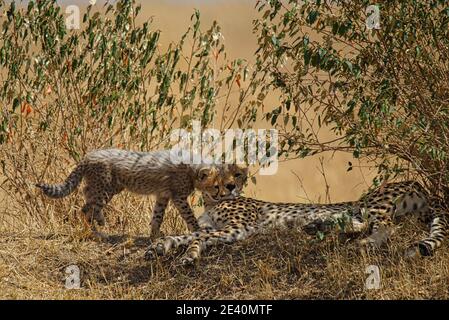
point(158, 215)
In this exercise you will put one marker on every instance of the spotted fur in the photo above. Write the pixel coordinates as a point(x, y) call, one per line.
point(239, 218)
point(108, 172)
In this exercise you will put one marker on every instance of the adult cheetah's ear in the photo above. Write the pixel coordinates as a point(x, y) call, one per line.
point(244, 171)
point(239, 171)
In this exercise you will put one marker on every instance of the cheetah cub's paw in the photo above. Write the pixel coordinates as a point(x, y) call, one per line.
point(99, 236)
point(100, 219)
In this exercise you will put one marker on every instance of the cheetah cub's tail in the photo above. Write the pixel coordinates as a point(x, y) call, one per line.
point(61, 190)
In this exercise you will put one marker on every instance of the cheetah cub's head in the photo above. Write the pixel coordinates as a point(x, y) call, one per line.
point(221, 183)
point(209, 182)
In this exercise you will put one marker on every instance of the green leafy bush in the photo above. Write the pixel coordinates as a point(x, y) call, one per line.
point(110, 83)
point(383, 92)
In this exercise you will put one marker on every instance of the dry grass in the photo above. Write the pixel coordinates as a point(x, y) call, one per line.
point(281, 264)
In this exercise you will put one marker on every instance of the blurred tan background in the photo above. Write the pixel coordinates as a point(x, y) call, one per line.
point(296, 180)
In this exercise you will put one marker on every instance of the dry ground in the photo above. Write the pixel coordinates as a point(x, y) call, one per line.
point(281, 264)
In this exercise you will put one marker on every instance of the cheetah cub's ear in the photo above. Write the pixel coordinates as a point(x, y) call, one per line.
point(204, 174)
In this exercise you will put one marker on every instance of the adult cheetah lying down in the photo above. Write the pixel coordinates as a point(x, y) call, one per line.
point(108, 172)
point(236, 219)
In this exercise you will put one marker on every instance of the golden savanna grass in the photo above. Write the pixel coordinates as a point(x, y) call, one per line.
point(281, 264)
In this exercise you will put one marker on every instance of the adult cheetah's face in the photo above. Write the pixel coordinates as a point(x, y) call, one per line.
point(235, 178)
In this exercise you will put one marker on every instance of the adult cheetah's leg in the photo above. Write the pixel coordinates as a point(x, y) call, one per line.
point(158, 215)
point(438, 231)
point(382, 226)
point(164, 245)
point(229, 234)
point(354, 225)
point(186, 213)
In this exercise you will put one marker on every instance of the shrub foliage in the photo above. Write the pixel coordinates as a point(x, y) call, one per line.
point(383, 92)
point(112, 82)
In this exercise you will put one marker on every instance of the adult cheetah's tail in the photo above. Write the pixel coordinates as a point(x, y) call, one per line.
point(63, 189)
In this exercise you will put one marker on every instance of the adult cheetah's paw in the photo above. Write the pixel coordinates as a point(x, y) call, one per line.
point(412, 252)
point(378, 238)
point(188, 260)
point(159, 248)
point(150, 254)
point(418, 250)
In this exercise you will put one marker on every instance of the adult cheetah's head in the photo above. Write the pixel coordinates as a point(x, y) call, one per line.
point(234, 178)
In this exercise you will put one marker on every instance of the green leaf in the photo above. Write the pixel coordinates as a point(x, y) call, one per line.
point(15, 104)
point(311, 18)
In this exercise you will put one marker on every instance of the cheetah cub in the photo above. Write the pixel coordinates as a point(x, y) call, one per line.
point(108, 172)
